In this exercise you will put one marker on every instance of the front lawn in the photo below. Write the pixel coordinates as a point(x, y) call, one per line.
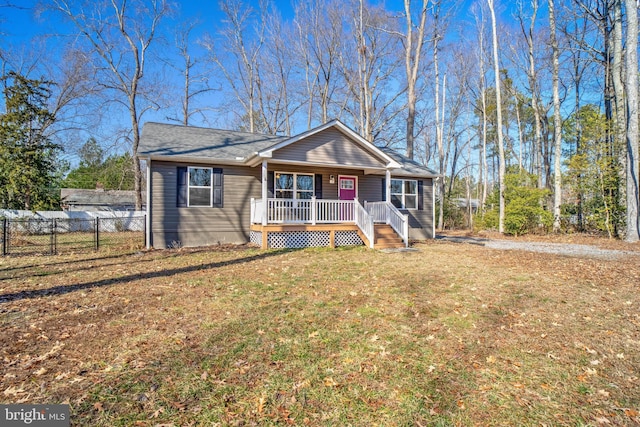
point(449, 335)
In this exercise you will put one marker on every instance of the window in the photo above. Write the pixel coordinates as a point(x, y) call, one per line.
point(404, 193)
point(347, 184)
point(199, 187)
point(293, 185)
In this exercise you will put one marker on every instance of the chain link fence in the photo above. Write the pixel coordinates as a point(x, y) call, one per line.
point(32, 236)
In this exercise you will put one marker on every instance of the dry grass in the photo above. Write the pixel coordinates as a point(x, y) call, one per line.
point(450, 335)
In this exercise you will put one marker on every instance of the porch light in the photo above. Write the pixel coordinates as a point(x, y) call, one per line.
point(332, 179)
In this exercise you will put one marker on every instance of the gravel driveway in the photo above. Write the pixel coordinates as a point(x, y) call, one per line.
point(565, 249)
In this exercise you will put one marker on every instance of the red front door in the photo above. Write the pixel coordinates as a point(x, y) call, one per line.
point(347, 187)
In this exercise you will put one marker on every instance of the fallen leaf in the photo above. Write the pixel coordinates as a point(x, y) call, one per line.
point(13, 391)
point(630, 413)
point(179, 406)
point(40, 371)
point(591, 372)
point(98, 406)
point(157, 412)
point(330, 382)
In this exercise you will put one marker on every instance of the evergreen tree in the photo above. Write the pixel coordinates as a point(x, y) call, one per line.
point(114, 173)
point(27, 155)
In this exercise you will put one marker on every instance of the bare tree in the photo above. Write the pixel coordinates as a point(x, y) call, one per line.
point(120, 36)
point(237, 56)
point(496, 70)
point(557, 121)
point(276, 88)
point(631, 80)
point(195, 81)
point(412, 55)
point(436, 38)
point(575, 31)
point(619, 116)
point(534, 89)
point(373, 54)
point(483, 172)
point(320, 31)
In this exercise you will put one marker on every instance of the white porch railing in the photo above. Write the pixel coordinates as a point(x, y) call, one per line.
point(365, 222)
point(378, 211)
point(320, 211)
point(311, 211)
point(257, 207)
point(385, 212)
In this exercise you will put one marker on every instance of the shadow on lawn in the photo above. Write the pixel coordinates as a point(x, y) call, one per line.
point(65, 289)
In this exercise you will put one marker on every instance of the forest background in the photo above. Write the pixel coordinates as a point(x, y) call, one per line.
point(527, 110)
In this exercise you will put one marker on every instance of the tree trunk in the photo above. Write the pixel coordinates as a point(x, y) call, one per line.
point(557, 122)
point(412, 64)
point(633, 193)
point(496, 71)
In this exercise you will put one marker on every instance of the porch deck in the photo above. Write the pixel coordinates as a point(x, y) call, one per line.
point(318, 222)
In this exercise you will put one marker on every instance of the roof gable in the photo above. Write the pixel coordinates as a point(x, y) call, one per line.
point(329, 147)
point(332, 143)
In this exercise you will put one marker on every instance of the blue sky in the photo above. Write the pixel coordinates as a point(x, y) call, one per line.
point(19, 26)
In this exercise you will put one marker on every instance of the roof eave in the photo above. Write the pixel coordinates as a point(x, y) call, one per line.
point(194, 160)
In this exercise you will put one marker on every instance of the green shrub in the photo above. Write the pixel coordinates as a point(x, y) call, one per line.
point(524, 210)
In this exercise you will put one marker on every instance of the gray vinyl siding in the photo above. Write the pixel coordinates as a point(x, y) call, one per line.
point(370, 188)
point(328, 147)
point(421, 222)
point(200, 226)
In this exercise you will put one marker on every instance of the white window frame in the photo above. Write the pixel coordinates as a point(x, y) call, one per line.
point(189, 187)
point(403, 194)
point(295, 184)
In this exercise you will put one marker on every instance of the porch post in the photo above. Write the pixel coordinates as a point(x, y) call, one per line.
point(265, 214)
point(388, 195)
point(147, 218)
point(314, 210)
point(388, 185)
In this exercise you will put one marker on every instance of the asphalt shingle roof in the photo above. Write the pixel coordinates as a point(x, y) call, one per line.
point(160, 139)
point(170, 140)
point(409, 167)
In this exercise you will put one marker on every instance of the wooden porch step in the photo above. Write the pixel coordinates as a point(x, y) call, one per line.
point(386, 237)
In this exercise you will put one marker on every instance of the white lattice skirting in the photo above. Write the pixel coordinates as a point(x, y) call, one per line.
point(298, 239)
point(255, 237)
point(305, 239)
point(348, 238)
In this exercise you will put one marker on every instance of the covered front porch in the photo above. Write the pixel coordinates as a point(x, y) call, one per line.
point(310, 222)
